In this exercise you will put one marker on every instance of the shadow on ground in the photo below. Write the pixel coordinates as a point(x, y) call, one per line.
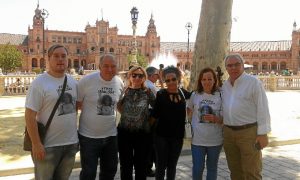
point(12, 125)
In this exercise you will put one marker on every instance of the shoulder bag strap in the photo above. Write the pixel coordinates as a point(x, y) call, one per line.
point(182, 93)
point(56, 105)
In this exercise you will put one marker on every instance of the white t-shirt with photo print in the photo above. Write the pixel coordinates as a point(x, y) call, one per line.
point(41, 98)
point(206, 134)
point(99, 99)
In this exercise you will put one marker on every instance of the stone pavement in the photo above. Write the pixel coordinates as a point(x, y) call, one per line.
point(280, 162)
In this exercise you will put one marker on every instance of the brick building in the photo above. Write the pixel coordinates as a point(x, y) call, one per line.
point(86, 47)
point(264, 56)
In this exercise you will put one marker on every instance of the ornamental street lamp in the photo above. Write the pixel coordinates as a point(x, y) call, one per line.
point(134, 17)
point(188, 26)
point(44, 15)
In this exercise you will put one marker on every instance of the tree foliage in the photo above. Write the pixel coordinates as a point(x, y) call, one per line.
point(10, 58)
point(140, 59)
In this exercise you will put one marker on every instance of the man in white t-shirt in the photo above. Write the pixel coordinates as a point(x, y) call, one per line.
point(55, 158)
point(98, 94)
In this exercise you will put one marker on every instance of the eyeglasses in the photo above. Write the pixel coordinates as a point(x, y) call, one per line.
point(137, 75)
point(235, 65)
point(169, 80)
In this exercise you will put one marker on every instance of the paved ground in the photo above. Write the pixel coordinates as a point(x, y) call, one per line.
point(280, 162)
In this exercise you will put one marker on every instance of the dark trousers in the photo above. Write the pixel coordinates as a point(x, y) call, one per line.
point(167, 153)
point(132, 153)
point(151, 152)
point(91, 150)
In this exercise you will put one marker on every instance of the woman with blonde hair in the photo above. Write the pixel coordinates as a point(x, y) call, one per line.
point(134, 126)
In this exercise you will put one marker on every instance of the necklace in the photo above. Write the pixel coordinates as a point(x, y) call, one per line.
point(175, 97)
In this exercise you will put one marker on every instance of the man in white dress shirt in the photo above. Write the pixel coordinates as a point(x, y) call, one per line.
point(152, 77)
point(246, 120)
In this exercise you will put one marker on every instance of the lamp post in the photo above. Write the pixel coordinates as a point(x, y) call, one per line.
point(134, 17)
point(188, 26)
point(44, 15)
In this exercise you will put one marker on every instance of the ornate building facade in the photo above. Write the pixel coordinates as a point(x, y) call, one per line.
point(85, 48)
point(264, 56)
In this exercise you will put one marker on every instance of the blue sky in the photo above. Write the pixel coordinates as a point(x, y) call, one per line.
point(255, 20)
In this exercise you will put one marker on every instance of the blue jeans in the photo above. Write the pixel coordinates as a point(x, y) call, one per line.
point(198, 154)
point(91, 150)
point(58, 163)
point(167, 153)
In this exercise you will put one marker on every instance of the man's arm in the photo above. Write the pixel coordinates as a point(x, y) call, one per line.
point(263, 116)
point(38, 150)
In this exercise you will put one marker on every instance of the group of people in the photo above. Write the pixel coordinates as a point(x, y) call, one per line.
point(151, 124)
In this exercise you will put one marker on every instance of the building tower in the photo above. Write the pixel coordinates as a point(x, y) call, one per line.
point(35, 40)
point(152, 41)
point(295, 50)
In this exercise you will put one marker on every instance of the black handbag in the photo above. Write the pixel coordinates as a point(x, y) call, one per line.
point(42, 129)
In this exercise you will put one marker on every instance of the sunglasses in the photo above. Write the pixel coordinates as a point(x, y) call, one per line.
point(169, 80)
point(137, 75)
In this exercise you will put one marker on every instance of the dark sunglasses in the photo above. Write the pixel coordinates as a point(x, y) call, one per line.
point(169, 80)
point(137, 75)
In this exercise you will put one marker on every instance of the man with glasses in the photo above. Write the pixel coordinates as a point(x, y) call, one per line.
point(98, 94)
point(246, 120)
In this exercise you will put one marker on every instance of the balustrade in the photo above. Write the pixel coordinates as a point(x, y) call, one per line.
point(19, 84)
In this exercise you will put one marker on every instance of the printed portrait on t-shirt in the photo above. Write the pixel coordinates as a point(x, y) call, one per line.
point(67, 105)
point(205, 108)
point(106, 102)
point(105, 105)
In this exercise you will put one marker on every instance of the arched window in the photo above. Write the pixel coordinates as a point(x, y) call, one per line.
point(34, 63)
point(255, 66)
point(102, 50)
point(69, 63)
point(274, 66)
point(42, 63)
point(76, 64)
point(264, 66)
point(282, 65)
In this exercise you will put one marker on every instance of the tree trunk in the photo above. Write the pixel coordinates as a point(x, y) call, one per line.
point(213, 37)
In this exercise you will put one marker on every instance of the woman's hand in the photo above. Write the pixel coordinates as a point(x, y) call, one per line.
point(213, 118)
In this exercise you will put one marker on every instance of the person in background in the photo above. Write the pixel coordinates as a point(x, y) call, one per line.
point(170, 113)
point(152, 77)
point(98, 95)
point(55, 158)
point(246, 120)
point(134, 126)
point(205, 105)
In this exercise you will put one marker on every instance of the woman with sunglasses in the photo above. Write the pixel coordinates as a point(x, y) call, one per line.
point(134, 127)
point(206, 106)
point(170, 113)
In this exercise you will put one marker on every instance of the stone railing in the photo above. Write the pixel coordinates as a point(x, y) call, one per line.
point(274, 83)
point(15, 84)
point(19, 84)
